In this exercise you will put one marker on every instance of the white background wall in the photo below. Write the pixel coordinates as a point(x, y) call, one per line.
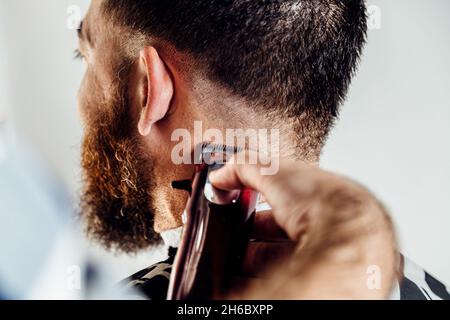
point(393, 135)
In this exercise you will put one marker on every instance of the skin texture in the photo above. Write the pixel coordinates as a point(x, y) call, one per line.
point(324, 232)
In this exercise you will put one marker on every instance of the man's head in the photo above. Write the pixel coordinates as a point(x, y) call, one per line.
point(154, 66)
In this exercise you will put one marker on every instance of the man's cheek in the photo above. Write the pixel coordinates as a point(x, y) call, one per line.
point(89, 96)
point(81, 112)
point(82, 101)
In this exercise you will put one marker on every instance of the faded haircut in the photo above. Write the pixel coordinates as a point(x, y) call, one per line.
point(294, 58)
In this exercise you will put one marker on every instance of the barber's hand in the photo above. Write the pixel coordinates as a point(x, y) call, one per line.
point(326, 238)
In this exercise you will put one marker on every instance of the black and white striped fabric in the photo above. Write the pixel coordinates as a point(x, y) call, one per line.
point(152, 282)
point(417, 284)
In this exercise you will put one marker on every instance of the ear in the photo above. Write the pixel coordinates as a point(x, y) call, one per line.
point(155, 89)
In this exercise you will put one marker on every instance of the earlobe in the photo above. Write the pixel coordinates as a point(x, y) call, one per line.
point(158, 90)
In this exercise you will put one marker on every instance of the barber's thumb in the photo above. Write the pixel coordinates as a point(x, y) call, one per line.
point(237, 174)
point(226, 178)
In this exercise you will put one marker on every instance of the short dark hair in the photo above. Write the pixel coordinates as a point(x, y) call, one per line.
point(292, 56)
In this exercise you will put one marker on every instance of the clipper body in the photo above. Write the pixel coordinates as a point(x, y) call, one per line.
point(215, 236)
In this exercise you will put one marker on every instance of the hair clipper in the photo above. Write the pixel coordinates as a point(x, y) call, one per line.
point(215, 235)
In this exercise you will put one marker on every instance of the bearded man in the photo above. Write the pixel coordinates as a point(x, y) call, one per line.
point(154, 67)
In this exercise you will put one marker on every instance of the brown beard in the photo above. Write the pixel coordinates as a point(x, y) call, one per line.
point(117, 177)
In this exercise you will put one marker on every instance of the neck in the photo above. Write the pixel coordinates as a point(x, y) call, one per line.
point(287, 137)
point(282, 138)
